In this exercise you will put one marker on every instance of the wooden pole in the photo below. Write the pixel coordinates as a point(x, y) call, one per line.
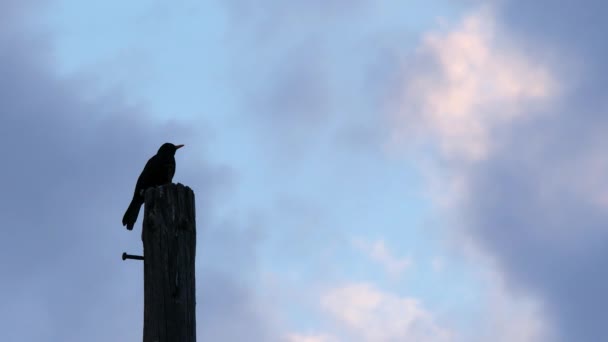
point(169, 237)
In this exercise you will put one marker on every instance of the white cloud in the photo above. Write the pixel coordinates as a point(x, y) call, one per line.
point(514, 319)
point(370, 315)
point(509, 317)
point(438, 264)
point(379, 252)
point(478, 82)
point(310, 338)
point(463, 107)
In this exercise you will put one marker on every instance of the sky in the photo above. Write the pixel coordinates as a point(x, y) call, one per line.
point(364, 171)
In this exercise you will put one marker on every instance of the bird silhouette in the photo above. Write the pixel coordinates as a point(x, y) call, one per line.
point(159, 170)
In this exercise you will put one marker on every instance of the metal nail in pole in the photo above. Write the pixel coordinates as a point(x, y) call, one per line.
point(126, 256)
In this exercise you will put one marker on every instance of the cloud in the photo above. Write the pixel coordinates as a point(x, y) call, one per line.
point(371, 315)
point(262, 18)
point(512, 318)
point(438, 264)
point(293, 98)
point(310, 338)
point(69, 164)
point(379, 252)
point(288, 70)
point(476, 85)
point(501, 314)
point(361, 312)
point(518, 126)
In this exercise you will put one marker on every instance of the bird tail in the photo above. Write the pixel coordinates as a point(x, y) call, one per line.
point(131, 214)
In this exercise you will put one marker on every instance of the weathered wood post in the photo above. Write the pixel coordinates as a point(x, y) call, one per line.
point(169, 237)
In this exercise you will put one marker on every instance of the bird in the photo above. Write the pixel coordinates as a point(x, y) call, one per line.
point(159, 170)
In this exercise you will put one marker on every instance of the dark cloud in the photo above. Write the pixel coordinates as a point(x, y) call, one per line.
point(271, 18)
point(579, 26)
point(18, 12)
point(536, 203)
point(69, 164)
point(549, 236)
point(298, 91)
point(293, 99)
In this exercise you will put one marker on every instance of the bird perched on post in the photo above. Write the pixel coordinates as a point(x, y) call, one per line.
point(159, 170)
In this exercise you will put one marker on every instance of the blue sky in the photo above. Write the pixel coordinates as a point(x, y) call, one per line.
point(365, 171)
point(177, 61)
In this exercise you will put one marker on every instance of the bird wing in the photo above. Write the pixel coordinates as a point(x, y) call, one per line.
point(146, 177)
point(170, 171)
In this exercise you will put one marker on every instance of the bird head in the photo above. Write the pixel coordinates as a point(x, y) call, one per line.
point(169, 149)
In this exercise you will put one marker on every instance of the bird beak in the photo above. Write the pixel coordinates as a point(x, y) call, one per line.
point(177, 147)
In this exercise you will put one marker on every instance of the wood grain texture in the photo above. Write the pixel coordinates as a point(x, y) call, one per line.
point(169, 238)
